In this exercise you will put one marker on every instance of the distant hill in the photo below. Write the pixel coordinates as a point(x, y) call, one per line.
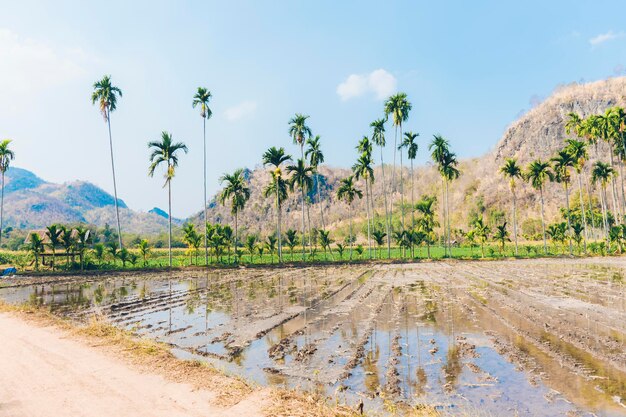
point(162, 213)
point(31, 202)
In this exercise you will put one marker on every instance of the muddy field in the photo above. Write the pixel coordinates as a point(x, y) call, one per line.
point(527, 337)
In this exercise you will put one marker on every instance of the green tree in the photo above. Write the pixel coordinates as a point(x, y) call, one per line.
point(53, 233)
point(398, 107)
point(238, 192)
point(98, 252)
point(83, 238)
point(270, 244)
point(378, 137)
point(537, 173)
point(363, 169)
point(35, 246)
point(347, 192)
point(6, 156)
point(202, 98)
point(379, 238)
point(251, 245)
point(427, 222)
point(277, 186)
point(144, 250)
point(166, 152)
point(501, 235)
point(440, 154)
point(190, 236)
point(316, 158)
point(481, 231)
point(67, 241)
point(578, 150)
point(291, 236)
point(409, 142)
point(513, 172)
point(301, 176)
point(106, 94)
point(325, 242)
point(602, 173)
point(563, 161)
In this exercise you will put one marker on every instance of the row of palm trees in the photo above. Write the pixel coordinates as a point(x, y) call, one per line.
point(304, 173)
point(610, 127)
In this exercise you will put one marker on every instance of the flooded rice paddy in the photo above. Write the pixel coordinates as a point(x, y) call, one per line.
point(531, 337)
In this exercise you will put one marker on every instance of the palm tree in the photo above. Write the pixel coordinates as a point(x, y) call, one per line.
point(202, 98)
point(379, 238)
point(410, 143)
point(36, 247)
point(378, 137)
point(481, 231)
point(291, 237)
point(83, 237)
point(347, 191)
point(563, 161)
point(449, 172)
point(501, 235)
point(6, 156)
point(512, 171)
point(165, 152)
point(363, 169)
point(238, 192)
point(299, 131)
point(278, 186)
point(316, 157)
point(67, 241)
point(53, 233)
point(301, 175)
point(398, 107)
point(270, 244)
point(427, 222)
point(604, 127)
point(106, 94)
point(602, 173)
point(144, 250)
point(251, 245)
point(439, 149)
point(537, 173)
point(578, 150)
point(189, 237)
point(325, 242)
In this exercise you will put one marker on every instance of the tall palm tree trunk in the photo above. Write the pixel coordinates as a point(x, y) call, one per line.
point(319, 197)
point(402, 189)
point(280, 245)
point(2, 209)
point(514, 218)
point(443, 209)
point(310, 231)
point(569, 223)
point(590, 205)
point(206, 241)
point(582, 210)
point(603, 203)
point(169, 217)
point(543, 223)
point(448, 220)
point(303, 235)
point(621, 176)
point(236, 231)
point(117, 209)
point(613, 186)
point(382, 166)
point(351, 240)
point(412, 197)
point(367, 210)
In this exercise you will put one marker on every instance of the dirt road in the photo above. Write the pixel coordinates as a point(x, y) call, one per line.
point(43, 372)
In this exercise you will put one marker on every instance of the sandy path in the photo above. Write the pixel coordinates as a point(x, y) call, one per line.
point(44, 373)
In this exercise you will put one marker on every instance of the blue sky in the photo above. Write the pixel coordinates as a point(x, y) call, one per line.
point(469, 68)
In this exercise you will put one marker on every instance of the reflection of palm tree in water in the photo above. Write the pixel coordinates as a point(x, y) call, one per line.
point(370, 366)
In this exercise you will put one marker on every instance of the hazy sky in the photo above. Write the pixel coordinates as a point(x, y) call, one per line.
point(469, 68)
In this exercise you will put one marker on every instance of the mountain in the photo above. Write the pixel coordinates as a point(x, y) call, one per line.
point(162, 213)
point(31, 202)
point(481, 189)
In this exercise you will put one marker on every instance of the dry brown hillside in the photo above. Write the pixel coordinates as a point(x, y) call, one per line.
point(537, 134)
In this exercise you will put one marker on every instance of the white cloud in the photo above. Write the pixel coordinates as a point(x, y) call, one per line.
point(605, 37)
point(379, 82)
point(241, 110)
point(29, 65)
